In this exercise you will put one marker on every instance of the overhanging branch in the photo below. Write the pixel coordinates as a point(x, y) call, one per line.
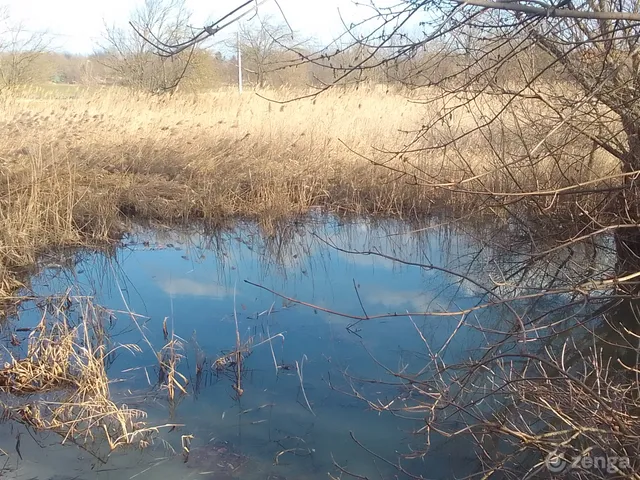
point(551, 11)
point(168, 50)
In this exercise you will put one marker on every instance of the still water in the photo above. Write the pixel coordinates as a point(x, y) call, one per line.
point(303, 413)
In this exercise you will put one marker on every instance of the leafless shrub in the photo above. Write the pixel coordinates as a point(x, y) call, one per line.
point(135, 62)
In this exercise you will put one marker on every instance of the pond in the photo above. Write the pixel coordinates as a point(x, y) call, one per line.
point(313, 378)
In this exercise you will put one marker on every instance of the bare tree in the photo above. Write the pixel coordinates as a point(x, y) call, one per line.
point(262, 46)
point(536, 125)
point(134, 61)
point(540, 85)
point(19, 51)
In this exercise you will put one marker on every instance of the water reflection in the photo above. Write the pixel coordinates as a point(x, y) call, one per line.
point(196, 282)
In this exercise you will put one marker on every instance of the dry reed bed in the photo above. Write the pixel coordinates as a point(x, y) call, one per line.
point(73, 169)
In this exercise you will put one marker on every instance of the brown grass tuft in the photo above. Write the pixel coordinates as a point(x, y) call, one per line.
point(61, 384)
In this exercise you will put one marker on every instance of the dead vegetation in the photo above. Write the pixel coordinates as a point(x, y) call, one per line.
point(59, 384)
point(169, 377)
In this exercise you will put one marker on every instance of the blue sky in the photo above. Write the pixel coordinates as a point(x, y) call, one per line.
point(76, 25)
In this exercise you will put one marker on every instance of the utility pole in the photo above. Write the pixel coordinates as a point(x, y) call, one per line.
point(239, 63)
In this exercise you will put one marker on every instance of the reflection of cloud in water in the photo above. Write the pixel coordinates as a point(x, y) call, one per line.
point(368, 260)
point(419, 301)
point(369, 238)
point(186, 286)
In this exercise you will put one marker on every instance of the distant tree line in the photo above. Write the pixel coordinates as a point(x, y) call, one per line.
point(272, 56)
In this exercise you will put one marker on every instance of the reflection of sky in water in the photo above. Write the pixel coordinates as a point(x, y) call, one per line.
point(193, 281)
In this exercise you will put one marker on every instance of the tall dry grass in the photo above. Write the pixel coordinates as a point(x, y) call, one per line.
point(76, 169)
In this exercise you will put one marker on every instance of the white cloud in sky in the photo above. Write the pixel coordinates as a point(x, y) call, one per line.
point(76, 25)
